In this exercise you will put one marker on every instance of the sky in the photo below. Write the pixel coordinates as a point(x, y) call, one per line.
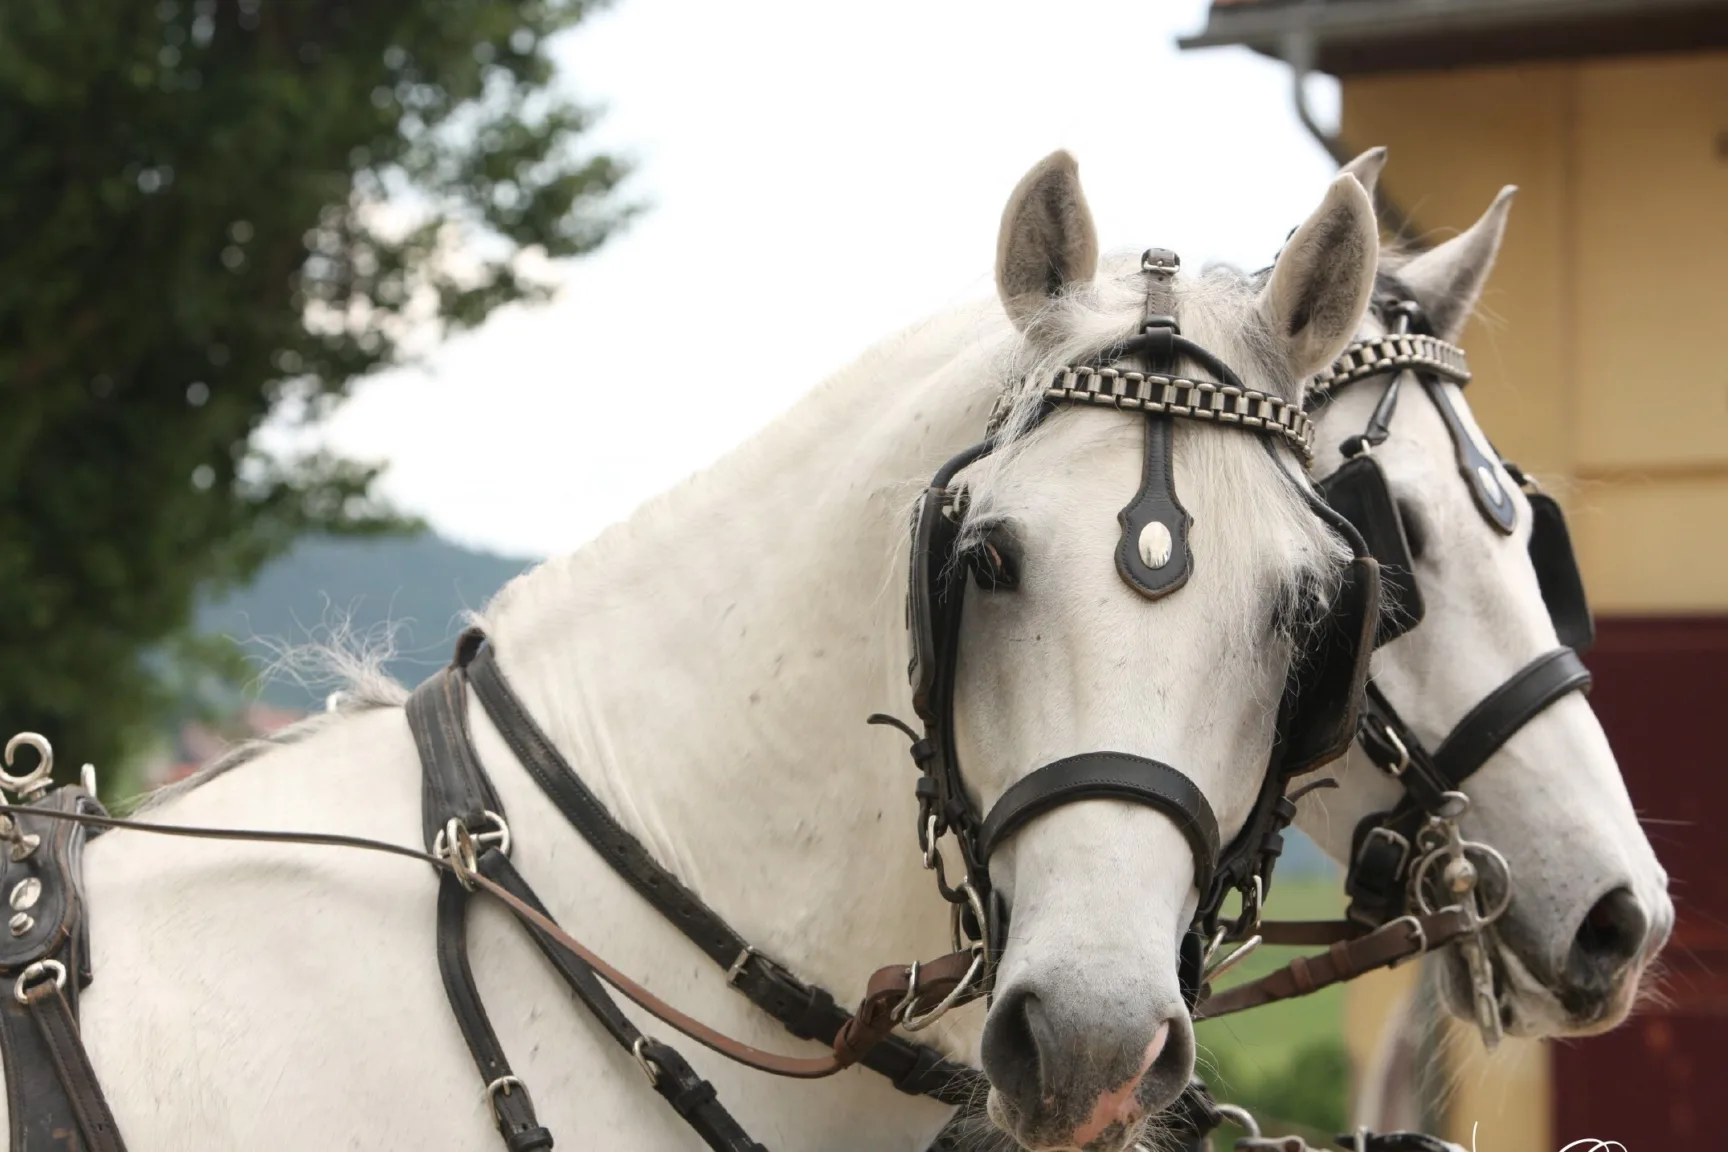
point(815, 176)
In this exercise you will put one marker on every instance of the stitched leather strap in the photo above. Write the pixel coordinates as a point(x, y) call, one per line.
point(53, 1100)
point(1155, 563)
point(1109, 776)
point(1507, 709)
point(807, 1012)
point(1344, 959)
point(454, 788)
point(693, 1098)
point(53, 1016)
point(807, 1069)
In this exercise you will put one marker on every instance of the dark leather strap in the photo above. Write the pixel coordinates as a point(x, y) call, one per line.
point(47, 1006)
point(789, 1066)
point(454, 787)
point(807, 1012)
point(1109, 776)
point(693, 1098)
point(1480, 470)
point(1155, 503)
point(1507, 709)
point(53, 1099)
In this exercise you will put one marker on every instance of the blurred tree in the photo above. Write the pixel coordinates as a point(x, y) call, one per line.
point(218, 211)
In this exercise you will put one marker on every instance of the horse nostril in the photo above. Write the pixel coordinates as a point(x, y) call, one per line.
point(1612, 934)
point(1015, 1038)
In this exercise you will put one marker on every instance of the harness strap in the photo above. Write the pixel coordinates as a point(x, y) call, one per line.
point(1507, 709)
point(53, 1097)
point(1112, 776)
point(457, 801)
point(1383, 844)
point(693, 1098)
point(454, 779)
point(808, 1012)
point(1345, 958)
point(47, 1005)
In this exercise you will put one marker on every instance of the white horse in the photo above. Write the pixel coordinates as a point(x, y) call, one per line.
point(706, 667)
point(1589, 904)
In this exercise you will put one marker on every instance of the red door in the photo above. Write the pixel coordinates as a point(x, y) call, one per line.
point(1661, 1080)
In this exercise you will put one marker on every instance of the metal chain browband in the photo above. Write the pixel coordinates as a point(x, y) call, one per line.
point(1394, 351)
point(1181, 396)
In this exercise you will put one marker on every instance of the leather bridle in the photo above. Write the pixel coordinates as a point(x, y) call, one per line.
point(1317, 713)
point(1394, 862)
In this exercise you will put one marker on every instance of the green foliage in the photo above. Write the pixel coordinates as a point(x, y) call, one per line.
point(1307, 1095)
point(216, 210)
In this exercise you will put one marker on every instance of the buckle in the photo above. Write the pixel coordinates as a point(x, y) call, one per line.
point(1395, 839)
point(504, 1084)
point(737, 968)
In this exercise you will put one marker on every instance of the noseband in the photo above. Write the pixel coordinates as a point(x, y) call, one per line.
point(1317, 714)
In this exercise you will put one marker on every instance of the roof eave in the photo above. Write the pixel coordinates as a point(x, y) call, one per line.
point(1349, 37)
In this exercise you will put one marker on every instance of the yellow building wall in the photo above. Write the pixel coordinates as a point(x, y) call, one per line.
point(1600, 355)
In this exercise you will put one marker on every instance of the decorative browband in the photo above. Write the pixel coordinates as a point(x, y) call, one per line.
point(1179, 396)
point(1367, 358)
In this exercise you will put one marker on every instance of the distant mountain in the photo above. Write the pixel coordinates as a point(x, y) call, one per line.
point(417, 587)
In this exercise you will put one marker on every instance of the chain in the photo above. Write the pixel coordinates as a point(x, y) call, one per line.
point(1180, 396)
point(1366, 358)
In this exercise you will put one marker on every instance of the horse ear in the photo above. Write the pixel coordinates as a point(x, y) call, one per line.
point(1047, 240)
point(1366, 168)
point(1447, 280)
point(1322, 282)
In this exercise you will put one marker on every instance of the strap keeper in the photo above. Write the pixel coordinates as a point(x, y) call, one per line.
point(916, 1079)
point(467, 647)
point(1301, 977)
point(816, 1021)
point(529, 1140)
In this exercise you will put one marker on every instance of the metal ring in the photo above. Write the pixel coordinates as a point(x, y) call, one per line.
point(1236, 957)
point(1240, 1117)
point(1212, 948)
point(1491, 853)
point(455, 844)
point(930, 853)
point(915, 1022)
point(649, 1068)
point(1418, 889)
point(504, 1084)
point(33, 975)
point(38, 777)
point(499, 835)
point(1403, 753)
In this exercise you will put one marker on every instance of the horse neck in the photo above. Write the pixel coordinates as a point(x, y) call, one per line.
point(707, 666)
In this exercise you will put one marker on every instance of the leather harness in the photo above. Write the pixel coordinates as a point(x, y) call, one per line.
point(56, 1103)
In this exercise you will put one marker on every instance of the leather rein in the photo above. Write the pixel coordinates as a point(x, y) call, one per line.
point(865, 1029)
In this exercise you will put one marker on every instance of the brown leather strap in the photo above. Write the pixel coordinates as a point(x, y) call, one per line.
point(1344, 959)
point(892, 987)
point(887, 989)
point(1308, 933)
point(53, 1016)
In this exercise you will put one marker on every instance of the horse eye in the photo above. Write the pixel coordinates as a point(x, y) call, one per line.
point(1414, 530)
point(995, 561)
